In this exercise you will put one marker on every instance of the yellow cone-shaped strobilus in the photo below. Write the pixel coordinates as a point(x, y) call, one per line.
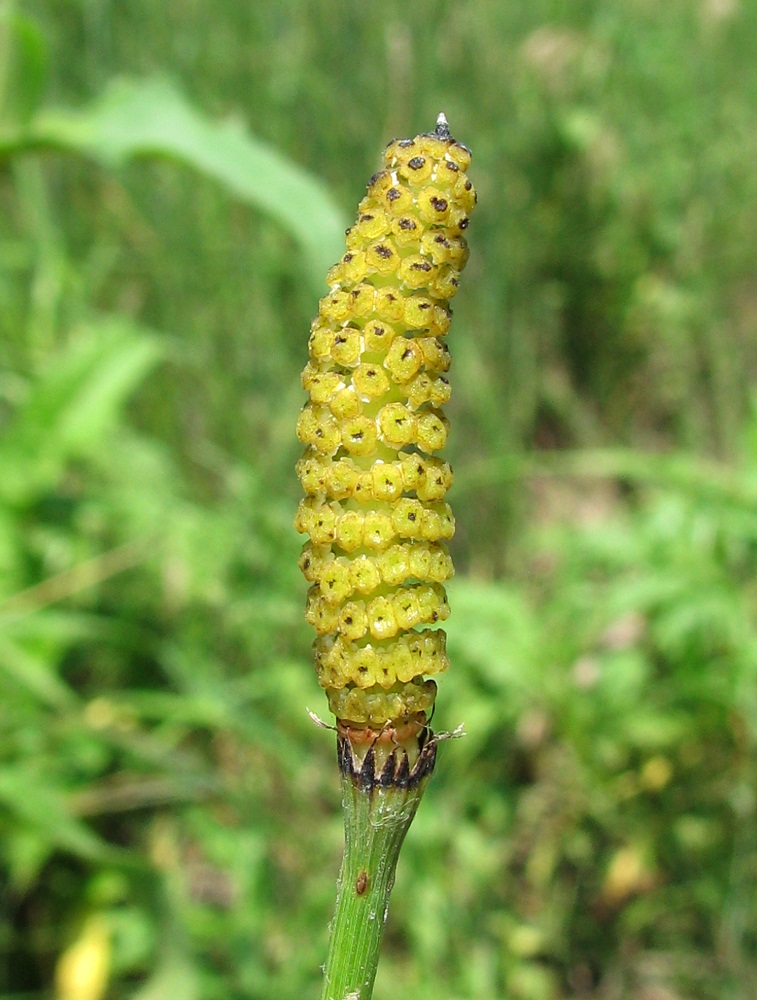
point(375, 485)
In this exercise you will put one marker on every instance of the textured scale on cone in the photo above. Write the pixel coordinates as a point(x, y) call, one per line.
point(375, 486)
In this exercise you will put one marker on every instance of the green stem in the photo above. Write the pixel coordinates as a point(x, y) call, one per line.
point(382, 787)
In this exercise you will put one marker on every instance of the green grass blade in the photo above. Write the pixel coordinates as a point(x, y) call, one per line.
point(73, 405)
point(139, 118)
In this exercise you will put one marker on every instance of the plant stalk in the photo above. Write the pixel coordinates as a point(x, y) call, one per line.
point(381, 788)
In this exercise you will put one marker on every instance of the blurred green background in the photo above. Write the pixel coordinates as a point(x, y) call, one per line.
point(175, 177)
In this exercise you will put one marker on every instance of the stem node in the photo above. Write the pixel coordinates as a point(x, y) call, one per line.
point(382, 784)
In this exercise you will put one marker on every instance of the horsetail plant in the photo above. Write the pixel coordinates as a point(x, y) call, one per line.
point(377, 518)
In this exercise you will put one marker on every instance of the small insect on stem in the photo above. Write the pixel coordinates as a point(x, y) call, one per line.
point(361, 883)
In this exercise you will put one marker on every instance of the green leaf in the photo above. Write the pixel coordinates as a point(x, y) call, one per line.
point(23, 66)
point(35, 673)
point(136, 118)
point(32, 647)
point(175, 977)
point(73, 406)
point(493, 630)
point(43, 808)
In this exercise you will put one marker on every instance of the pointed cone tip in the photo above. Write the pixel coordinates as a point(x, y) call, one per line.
point(442, 126)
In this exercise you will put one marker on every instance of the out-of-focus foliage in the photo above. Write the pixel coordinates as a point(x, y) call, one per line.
point(150, 118)
point(169, 176)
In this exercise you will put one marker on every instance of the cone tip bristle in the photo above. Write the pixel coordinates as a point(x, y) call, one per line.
point(442, 126)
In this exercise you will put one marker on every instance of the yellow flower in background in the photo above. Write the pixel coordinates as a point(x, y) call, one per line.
point(82, 970)
point(375, 486)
